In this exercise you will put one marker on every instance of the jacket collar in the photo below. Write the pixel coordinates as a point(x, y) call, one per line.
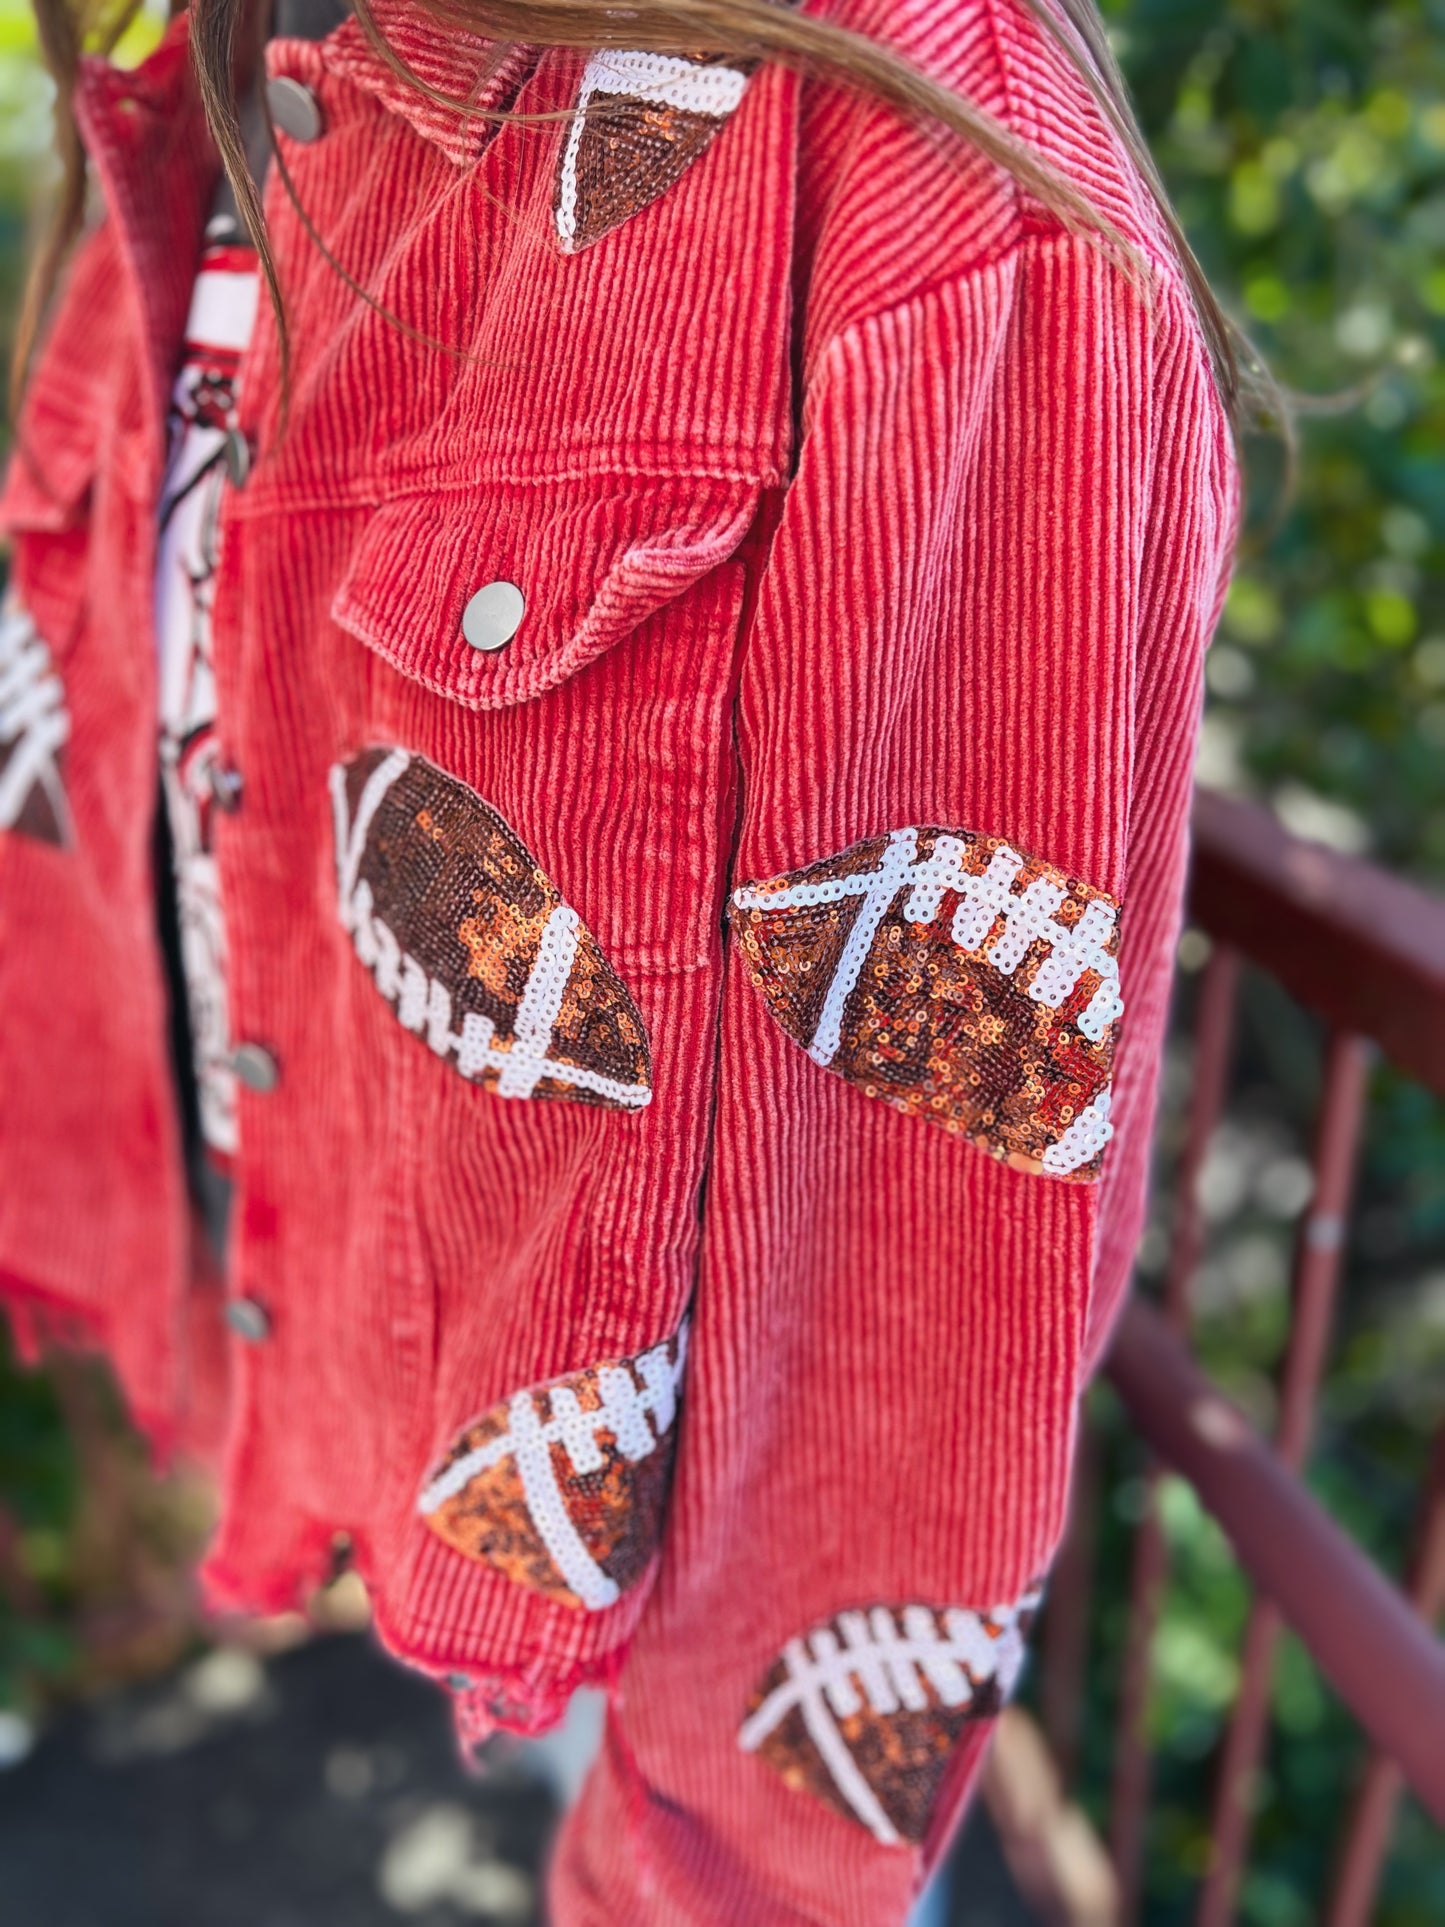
point(447, 59)
point(146, 136)
point(117, 104)
point(684, 104)
point(145, 132)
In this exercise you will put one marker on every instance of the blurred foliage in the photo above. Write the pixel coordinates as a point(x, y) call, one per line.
point(38, 1484)
point(1304, 142)
point(96, 1552)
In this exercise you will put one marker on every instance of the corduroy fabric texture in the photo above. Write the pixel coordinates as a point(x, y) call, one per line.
point(846, 493)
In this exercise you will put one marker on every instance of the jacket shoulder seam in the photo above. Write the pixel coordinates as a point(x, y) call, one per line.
point(1049, 235)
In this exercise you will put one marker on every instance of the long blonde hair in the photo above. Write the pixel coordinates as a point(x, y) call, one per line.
point(734, 29)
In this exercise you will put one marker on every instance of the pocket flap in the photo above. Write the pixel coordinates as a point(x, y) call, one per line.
point(70, 398)
point(592, 557)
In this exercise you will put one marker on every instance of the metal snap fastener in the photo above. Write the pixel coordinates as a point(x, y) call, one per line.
point(493, 615)
point(294, 108)
point(255, 1067)
point(226, 787)
point(236, 454)
point(248, 1320)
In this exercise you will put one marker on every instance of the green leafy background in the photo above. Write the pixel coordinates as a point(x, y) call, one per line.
point(1304, 142)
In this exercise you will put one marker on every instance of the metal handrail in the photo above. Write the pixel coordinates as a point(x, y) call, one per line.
point(1364, 1636)
point(1361, 948)
point(1364, 951)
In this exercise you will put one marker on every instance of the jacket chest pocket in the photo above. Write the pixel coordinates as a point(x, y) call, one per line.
point(495, 595)
point(499, 601)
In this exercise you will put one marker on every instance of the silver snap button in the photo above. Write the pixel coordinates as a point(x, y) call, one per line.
point(236, 454)
point(226, 787)
point(294, 108)
point(256, 1067)
point(248, 1320)
point(493, 615)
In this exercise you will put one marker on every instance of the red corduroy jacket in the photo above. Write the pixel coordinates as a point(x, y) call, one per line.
point(709, 700)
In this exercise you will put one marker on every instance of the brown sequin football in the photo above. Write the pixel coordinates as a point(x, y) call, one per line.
point(864, 1711)
point(640, 121)
point(562, 1487)
point(954, 978)
point(465, 935)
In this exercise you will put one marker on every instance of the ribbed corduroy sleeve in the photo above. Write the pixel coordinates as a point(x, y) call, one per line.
point(1001, 485)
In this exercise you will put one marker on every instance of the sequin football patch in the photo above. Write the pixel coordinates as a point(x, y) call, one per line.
point(464, 934)
point(864, 1711)
point(640, 120)
point(563, 1487)
point(34, 728)
point(954, 978)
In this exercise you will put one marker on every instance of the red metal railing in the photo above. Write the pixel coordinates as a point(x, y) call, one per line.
point(1365, 952)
